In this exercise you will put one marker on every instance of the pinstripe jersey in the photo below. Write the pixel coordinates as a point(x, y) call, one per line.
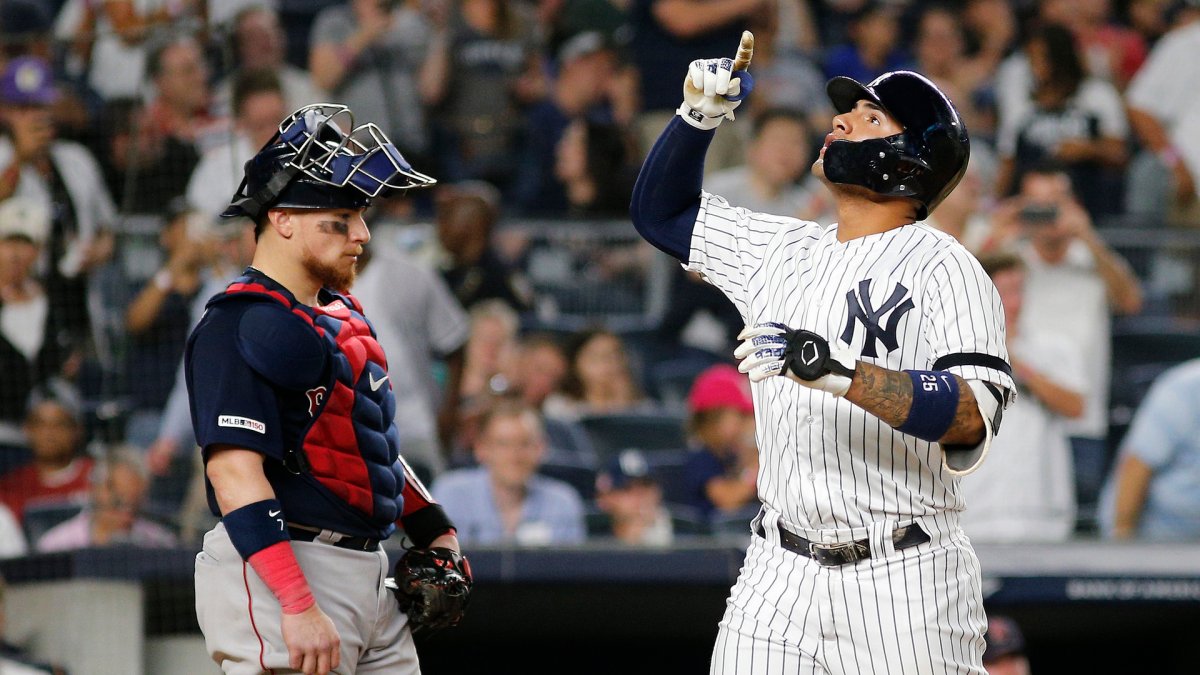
point(911, 298)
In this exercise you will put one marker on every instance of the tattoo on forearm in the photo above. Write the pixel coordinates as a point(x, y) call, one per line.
point(888, 395)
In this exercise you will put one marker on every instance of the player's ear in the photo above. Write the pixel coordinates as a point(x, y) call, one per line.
point(282, 222)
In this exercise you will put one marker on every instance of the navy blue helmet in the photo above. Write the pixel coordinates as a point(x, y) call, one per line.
point(924, 162)
point(320, 160)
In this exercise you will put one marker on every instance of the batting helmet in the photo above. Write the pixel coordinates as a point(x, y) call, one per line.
point(924, 162)
point(320, 160)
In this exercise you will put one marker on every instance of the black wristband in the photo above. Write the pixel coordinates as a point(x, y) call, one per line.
point(423, 526)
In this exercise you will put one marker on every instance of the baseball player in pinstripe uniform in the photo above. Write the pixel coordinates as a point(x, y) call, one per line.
point(877, 355)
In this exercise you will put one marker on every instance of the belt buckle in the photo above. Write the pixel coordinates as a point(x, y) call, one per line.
point(839, 553)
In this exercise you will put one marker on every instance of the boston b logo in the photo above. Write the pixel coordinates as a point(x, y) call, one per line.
point(859, 309)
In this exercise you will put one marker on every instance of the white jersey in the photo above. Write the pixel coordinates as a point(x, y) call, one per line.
point(911, 298)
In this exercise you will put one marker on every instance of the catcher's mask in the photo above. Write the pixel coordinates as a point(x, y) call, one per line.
point(320, 160)
point(924, 162)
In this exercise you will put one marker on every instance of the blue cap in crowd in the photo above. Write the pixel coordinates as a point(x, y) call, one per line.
point(628, 466)
point(27, 80)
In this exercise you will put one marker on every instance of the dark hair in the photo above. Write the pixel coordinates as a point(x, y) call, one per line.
point(252, 82)
point(1062, 57)
point(775, 114)
point(1001, 261)
point(507, 406)
point(572, 385)
point(154, 56)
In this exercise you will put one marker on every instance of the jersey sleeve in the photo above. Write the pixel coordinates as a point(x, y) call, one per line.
point(231, 403)
point(967, 338)
point(966, 322)
point(729, 245)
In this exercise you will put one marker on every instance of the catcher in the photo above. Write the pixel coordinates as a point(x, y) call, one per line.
point(292, 407)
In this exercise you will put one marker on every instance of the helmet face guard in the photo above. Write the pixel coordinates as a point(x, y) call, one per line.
point(311, 162)
point(924, 161)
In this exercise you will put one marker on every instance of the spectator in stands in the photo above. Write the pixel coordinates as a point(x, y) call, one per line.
point(504, 500)
point(941, 55)
point(629, 495)
point(12, 537)
point(774, 177)
point(1165, 114)
point(1026, 490)
point(1110, 51)
point(368, 55)
point(13, 659)
point(258, 105)
point(422, 328)
point(698, 316)
point(722, 467)
point(490, 351)
point(178, 119)
point(260, 45)
point(667, 36)
point(874, 46)
point(1074, 284)
point(785, 74)
point(59, 469)
point(112, 514)
point(1068, 117)
point(235, 249)
point(466, 215)
point(1154, 492)
point(25, 29)
point(1004, 653)
point(116, 35)
point(158, 319)
point(590, 88)
point(41, 337)
point(963, 214)
point(599, 379)
point(538, 369)
point(485, 67)
point(60, 175)
point(593, 169)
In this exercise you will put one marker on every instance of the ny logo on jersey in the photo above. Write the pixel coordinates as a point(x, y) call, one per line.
point(859, 308)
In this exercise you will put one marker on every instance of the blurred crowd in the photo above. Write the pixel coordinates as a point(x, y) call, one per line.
point(538, 393)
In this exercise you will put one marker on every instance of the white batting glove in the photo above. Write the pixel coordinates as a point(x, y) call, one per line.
point(711, 93)
point(771, 349)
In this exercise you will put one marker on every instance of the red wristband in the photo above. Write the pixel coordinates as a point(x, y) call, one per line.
point(277, 567)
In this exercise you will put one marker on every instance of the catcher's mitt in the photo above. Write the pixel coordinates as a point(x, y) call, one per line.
point(433, 587)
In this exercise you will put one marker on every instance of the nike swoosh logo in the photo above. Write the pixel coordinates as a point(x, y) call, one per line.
point(272, 513)
point(376, 384)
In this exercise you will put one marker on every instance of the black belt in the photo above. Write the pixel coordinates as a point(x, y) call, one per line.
point(832, 555)
point(301, 533)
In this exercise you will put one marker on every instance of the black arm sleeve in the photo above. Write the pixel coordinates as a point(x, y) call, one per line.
point(666, 197)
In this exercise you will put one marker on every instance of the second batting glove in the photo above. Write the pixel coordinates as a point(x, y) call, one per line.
point(770, 349)
point(711, 92)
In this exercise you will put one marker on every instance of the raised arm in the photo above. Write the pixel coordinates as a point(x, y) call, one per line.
point(666, 196)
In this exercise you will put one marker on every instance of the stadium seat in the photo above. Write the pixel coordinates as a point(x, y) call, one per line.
point(582, 477)
point(568, 442)
point(647, 432)
point(667, 468)
point(40, 518)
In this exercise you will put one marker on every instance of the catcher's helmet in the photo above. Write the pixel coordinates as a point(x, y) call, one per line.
point(924, 162)
point(313, 162)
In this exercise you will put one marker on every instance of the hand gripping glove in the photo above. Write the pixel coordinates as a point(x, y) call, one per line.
point(433, 587)
point(770, 349)
point(711, 93)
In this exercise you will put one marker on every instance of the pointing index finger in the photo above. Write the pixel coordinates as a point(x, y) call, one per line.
point(745, 52)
